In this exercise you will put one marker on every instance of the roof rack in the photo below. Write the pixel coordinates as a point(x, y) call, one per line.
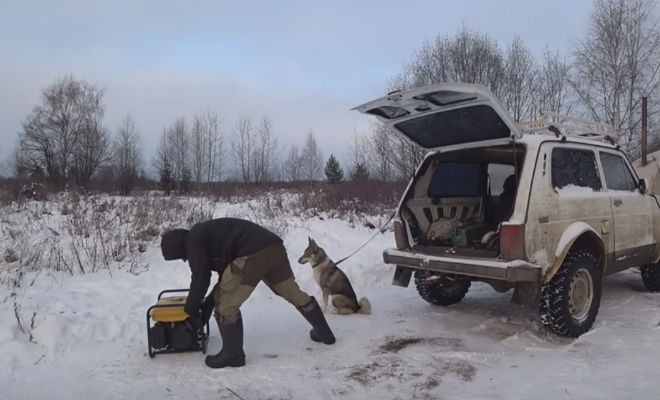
point(564, 125)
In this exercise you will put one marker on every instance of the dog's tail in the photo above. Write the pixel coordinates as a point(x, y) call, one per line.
point(365, 306)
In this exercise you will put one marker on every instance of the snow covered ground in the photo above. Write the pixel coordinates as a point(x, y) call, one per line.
point(89, 339)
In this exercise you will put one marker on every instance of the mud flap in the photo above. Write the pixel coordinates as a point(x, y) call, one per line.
point(401, 276)
point(527, 294)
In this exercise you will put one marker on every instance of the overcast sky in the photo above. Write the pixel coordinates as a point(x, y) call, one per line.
point(302, 63)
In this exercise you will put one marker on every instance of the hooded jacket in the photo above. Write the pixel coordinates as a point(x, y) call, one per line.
point(211, 246)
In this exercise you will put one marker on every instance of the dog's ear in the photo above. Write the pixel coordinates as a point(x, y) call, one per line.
point(312, 243)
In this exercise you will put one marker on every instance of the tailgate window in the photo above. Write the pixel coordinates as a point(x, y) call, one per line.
point(462, 125)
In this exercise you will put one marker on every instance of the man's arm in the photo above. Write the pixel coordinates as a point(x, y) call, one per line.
point(200, 273)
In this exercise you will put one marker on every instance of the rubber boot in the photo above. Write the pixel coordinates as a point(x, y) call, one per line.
point(232, 354)
point(320, 330)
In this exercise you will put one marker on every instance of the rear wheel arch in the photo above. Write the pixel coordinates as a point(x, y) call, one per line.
point(578, 236)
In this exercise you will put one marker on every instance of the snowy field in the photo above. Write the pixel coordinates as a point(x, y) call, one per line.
point(89, 338)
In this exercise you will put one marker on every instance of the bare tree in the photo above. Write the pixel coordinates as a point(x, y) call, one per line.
point(206, 145)
point(266, 152)
point(293, 164)
point(519, 80)
point(127, 157)
point(180, 145)
point(214, 147)
point(242, 145)
point(92, 147)
point(311, 158)
point(18, 166)
point(359, 153)
point(380, 152)
point(64, 136)
point(476, 58)
point(405, 157)
point(172, 161)
point(198, 146)
point(617, 63)
point(553, 92)
point(468, 57)
point(162, 162)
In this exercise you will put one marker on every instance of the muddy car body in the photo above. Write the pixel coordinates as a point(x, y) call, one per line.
point(546, 208)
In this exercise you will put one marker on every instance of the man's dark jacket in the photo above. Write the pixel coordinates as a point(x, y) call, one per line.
point(211, 246)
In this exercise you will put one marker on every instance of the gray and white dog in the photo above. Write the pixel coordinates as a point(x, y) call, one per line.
point(333, 282)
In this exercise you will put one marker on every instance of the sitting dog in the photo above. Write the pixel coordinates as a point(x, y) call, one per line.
point(334, 282)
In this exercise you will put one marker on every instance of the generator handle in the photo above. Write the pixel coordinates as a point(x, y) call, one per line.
point(151, 352)
point(171, 291)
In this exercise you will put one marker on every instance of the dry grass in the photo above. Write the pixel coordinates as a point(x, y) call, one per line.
point(79, 232)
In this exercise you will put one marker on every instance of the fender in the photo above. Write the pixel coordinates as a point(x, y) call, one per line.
point(573, 233)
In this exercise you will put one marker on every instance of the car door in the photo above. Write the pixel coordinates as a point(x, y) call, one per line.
point(445, 116)
point(633, 231)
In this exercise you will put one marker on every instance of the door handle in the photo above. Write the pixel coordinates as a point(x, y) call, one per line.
point(617, 202)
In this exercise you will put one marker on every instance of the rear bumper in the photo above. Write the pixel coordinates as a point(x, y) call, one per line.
point(510, 271)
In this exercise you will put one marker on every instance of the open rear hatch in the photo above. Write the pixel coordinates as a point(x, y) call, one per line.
point(444, 115)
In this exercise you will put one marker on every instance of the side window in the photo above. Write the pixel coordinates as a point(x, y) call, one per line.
point(497, 174)
point(574, 167)
point(617, 174)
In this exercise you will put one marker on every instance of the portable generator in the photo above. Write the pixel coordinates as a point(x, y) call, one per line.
point(169, 332)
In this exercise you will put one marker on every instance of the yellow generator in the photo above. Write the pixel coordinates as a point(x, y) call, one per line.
point(169, 332)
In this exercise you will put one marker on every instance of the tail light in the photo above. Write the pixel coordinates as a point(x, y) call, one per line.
point(400, 235)
point(512, 243)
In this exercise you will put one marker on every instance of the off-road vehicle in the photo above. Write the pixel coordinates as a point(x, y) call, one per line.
point(546, 208)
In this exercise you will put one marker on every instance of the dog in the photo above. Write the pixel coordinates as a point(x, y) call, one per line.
point(333, 282)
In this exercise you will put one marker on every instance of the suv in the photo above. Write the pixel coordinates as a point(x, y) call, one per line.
point(546, 208)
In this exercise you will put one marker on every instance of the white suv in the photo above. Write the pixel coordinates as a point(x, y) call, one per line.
point(546, 209)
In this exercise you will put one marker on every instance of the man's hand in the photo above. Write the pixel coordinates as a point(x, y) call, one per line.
point(202, 316)
point(194, 322)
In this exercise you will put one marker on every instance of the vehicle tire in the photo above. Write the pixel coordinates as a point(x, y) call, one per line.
point(651, 277)
point(570, 301)
point(441, 289)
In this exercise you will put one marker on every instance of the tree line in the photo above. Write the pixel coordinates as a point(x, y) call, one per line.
point(608, 71)
point(604, 78)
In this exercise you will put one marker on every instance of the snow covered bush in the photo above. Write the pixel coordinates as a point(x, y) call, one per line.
point(78, 234)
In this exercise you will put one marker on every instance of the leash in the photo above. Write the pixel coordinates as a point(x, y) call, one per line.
point(381, 230)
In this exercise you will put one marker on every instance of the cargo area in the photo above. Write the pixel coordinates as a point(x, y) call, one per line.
point(458, 200)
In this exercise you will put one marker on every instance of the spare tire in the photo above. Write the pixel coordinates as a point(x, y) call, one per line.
point(441, 289)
